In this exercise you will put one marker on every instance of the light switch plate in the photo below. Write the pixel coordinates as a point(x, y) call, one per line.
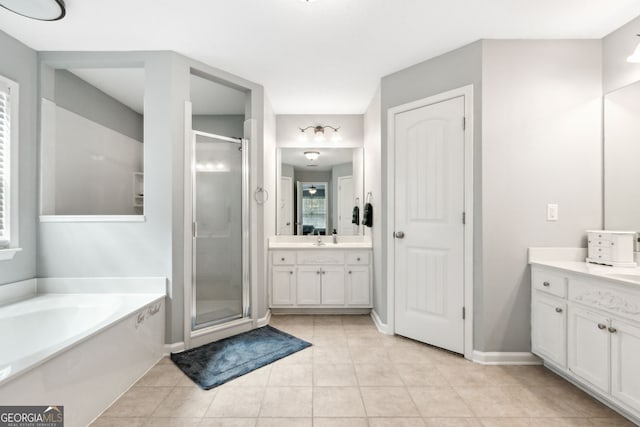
point(552, 212)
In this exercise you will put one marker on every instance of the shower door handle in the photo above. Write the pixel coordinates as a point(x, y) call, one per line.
point(194, 229)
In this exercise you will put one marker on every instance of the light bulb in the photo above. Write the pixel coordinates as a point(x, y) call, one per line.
point(312, 155)
point(336, 137)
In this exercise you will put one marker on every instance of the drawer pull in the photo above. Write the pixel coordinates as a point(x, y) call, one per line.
point(291, 272)
point(358, 258)
point(318, 272)
point(349, 271)
point(612, 330)
point(602, 326)
point(546, 284)
point(281, 259)
point(558, 310)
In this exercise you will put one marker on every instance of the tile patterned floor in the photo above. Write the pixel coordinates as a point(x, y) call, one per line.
point(355, 376)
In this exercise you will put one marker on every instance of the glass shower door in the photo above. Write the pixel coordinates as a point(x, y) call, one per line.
point(219, 246)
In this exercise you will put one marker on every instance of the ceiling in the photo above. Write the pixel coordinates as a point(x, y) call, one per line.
point(325, 57)
point(328, 158)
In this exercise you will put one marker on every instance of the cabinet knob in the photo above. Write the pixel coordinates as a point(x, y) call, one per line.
point(318, 272)
point(546, 284)
point(281, 259)
point(323, 272)
point(358, 258)
point(291, 272)
point(558, 310)
point(349, 271)
point(602, 326)
point(612, 330)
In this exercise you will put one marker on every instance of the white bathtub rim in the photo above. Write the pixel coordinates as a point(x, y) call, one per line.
point(70, 343)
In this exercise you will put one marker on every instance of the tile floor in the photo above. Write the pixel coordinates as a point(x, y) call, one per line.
point(355, 376)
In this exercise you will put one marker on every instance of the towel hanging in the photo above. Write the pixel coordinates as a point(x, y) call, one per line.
point(367, 215)
point(355, 216)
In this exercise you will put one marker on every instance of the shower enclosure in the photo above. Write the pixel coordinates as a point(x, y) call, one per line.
point(220, 236)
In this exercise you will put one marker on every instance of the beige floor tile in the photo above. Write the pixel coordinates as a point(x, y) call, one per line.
point(228, 422)
point(617, 421)
point(286, 402)
point(475, 374)
point(291, 320)
point(257, 378)
point(358, 320)
point(496, 401)
point(118, 422)
point(536, 375)
point(452, 422)
point(388, 402)
point(161, 375)
point(337, 402)
point(330, 354)
point(284, 422)
point(568, 401)
point(333, 374)
point(301, 357)
point(233, 402)
point(377, 375)
point(173, 422)
point(138, 402)
point(185, 402)
point(291, 375)
point(370, 355)
point(329, 340)
point(396, 422)
point(535, 422)
point(340, 422)
point(420, 374)
point(411, 355)
point(443, 401)
point(329, 319)
point(358, 341)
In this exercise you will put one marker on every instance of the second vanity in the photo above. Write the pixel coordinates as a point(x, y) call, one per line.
point(307, 274)
point(585, 321)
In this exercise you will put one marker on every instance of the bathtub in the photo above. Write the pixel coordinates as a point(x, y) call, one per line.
point(61, 346)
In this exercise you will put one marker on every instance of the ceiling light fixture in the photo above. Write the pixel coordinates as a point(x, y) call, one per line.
point(312, 190)
point(312, 155)
point(42, 10)
point(635, 56)
point(318, 132)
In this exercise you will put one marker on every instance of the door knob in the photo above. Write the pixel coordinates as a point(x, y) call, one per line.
point(558, 310)
point(602, 326)
point(546, 284)
point(288, 223)
point(398, 234)
point(612, 330)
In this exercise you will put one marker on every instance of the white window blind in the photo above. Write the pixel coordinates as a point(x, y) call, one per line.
point(5, 157)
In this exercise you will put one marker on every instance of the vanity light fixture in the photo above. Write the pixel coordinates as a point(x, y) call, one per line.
point(313, 190)
point(42, 10)
point(312, 155)
point(318, 132)
point(635, 56)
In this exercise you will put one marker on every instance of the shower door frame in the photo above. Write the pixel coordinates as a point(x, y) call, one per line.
point(214, 330)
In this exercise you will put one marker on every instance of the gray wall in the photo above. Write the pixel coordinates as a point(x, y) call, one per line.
point(452, 70)
point(154, 247)
point(20, 65)
point(616, 47)
point(76, 95)
point(225, 125)
point(541, 143)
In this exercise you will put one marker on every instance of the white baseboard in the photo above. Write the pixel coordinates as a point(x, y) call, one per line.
point(505, 358)
point(382, 327)
point(176, 347)
point(264, 321)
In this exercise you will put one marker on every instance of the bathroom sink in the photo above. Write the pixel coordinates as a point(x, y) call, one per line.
point(324, 245)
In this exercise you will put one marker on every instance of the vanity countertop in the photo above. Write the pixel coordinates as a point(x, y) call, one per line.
point(307, 242)
point(572, 260)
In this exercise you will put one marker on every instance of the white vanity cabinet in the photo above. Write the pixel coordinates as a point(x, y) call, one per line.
point(320, 278)
point(587, 328)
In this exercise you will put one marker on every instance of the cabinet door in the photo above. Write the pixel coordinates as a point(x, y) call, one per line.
point(625, 369)
point(332, 285)
point(308, 286)
point(358, 286)
point(549, 326)
point(589, 342)
point(283, 286)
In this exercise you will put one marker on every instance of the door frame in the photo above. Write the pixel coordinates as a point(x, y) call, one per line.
point(467, 93)
point(338, 199)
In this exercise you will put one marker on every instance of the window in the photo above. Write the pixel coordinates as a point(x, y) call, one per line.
point(8, 136)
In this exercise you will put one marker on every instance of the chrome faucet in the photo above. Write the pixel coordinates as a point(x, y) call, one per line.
point(319, 242)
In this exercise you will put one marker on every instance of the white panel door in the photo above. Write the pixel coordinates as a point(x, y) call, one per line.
point(285, 213)
point(429, 243)
point(358, 289)
point(283, 286)
point(549, 337)
point(308, 286)
point(625, 369)
point(345, 206)
point(589, 342)
point(332, 285)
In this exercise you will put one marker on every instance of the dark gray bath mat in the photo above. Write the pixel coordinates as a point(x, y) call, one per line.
point(216, 363)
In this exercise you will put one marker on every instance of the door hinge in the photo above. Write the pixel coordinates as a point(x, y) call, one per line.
point(464, 313)
point(464, 217)
point(193, 229)
point(464, 123)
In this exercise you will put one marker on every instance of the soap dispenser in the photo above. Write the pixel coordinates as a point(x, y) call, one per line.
point(335, 237)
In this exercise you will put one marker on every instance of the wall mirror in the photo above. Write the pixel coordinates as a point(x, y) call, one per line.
point(318, 189)
point(92, 133)
point(621, 154)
